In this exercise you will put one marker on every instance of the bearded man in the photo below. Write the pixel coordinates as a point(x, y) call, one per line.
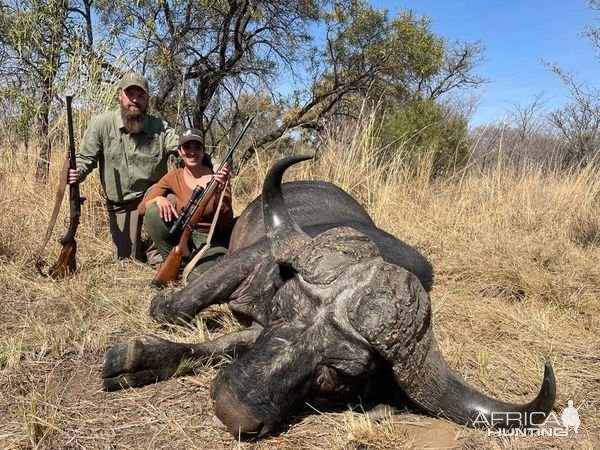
point(130, 148)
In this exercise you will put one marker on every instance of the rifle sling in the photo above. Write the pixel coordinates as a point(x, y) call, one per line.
point(192, 263)
point(60, 193)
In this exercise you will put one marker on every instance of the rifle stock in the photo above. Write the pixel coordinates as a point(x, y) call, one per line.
point(66, 263)
point(169, 269)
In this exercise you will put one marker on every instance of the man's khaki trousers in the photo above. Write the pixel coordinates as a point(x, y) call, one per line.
point(126, 229)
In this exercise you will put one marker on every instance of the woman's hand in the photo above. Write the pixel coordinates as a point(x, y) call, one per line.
point(221, 178)
point(166, 209)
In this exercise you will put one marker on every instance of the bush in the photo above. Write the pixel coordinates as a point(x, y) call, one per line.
point(424, 127)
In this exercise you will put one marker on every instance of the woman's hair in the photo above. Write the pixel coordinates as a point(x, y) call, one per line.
point(207, 161)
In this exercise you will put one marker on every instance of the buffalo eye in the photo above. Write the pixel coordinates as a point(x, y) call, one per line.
point(326, 378)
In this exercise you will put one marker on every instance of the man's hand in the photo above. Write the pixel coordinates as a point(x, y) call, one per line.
point(74, 176)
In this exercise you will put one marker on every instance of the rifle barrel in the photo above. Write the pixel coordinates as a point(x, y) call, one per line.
point(235, 144)
point(72, 161)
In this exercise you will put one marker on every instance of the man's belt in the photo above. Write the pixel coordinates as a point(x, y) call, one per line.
point(127, 205)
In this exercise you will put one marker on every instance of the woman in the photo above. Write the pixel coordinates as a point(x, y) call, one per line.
point(160, 213)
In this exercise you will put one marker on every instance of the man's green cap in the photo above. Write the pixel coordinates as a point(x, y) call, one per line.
point(135, 79)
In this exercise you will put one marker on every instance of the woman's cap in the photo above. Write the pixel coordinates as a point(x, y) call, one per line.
point(190, 134)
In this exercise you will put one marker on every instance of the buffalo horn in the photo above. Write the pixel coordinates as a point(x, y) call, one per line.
point(283, 232)
point(441, 391)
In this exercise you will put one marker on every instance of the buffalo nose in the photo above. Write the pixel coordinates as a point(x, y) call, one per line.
point(235, 416)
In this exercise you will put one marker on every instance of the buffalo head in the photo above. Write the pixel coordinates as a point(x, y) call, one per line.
point(342, 317)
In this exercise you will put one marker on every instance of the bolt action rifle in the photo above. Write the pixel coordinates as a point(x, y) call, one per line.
point(189, 217)
point(66, 263)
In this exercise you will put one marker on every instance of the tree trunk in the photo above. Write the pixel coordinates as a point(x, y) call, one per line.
point(55, 40)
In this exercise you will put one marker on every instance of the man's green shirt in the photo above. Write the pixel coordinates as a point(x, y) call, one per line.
point(129, 164)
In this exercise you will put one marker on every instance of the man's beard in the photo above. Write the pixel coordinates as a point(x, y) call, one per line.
point(133, 120)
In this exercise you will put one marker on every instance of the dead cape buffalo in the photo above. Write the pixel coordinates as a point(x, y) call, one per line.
point(340, 310)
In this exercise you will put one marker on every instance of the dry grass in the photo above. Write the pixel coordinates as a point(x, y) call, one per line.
point(517, 259)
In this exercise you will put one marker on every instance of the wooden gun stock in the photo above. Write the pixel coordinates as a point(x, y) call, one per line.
point(169, 268)
point(66, 263)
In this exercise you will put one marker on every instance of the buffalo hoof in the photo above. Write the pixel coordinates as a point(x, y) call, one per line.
point(141, 362)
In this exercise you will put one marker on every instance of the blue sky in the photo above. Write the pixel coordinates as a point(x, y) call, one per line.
point(517, 35)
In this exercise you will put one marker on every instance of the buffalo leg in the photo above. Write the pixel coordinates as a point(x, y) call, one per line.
point(151, 359)
point(216, 285)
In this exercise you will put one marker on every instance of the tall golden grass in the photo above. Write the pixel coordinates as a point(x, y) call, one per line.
point(517, 262)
